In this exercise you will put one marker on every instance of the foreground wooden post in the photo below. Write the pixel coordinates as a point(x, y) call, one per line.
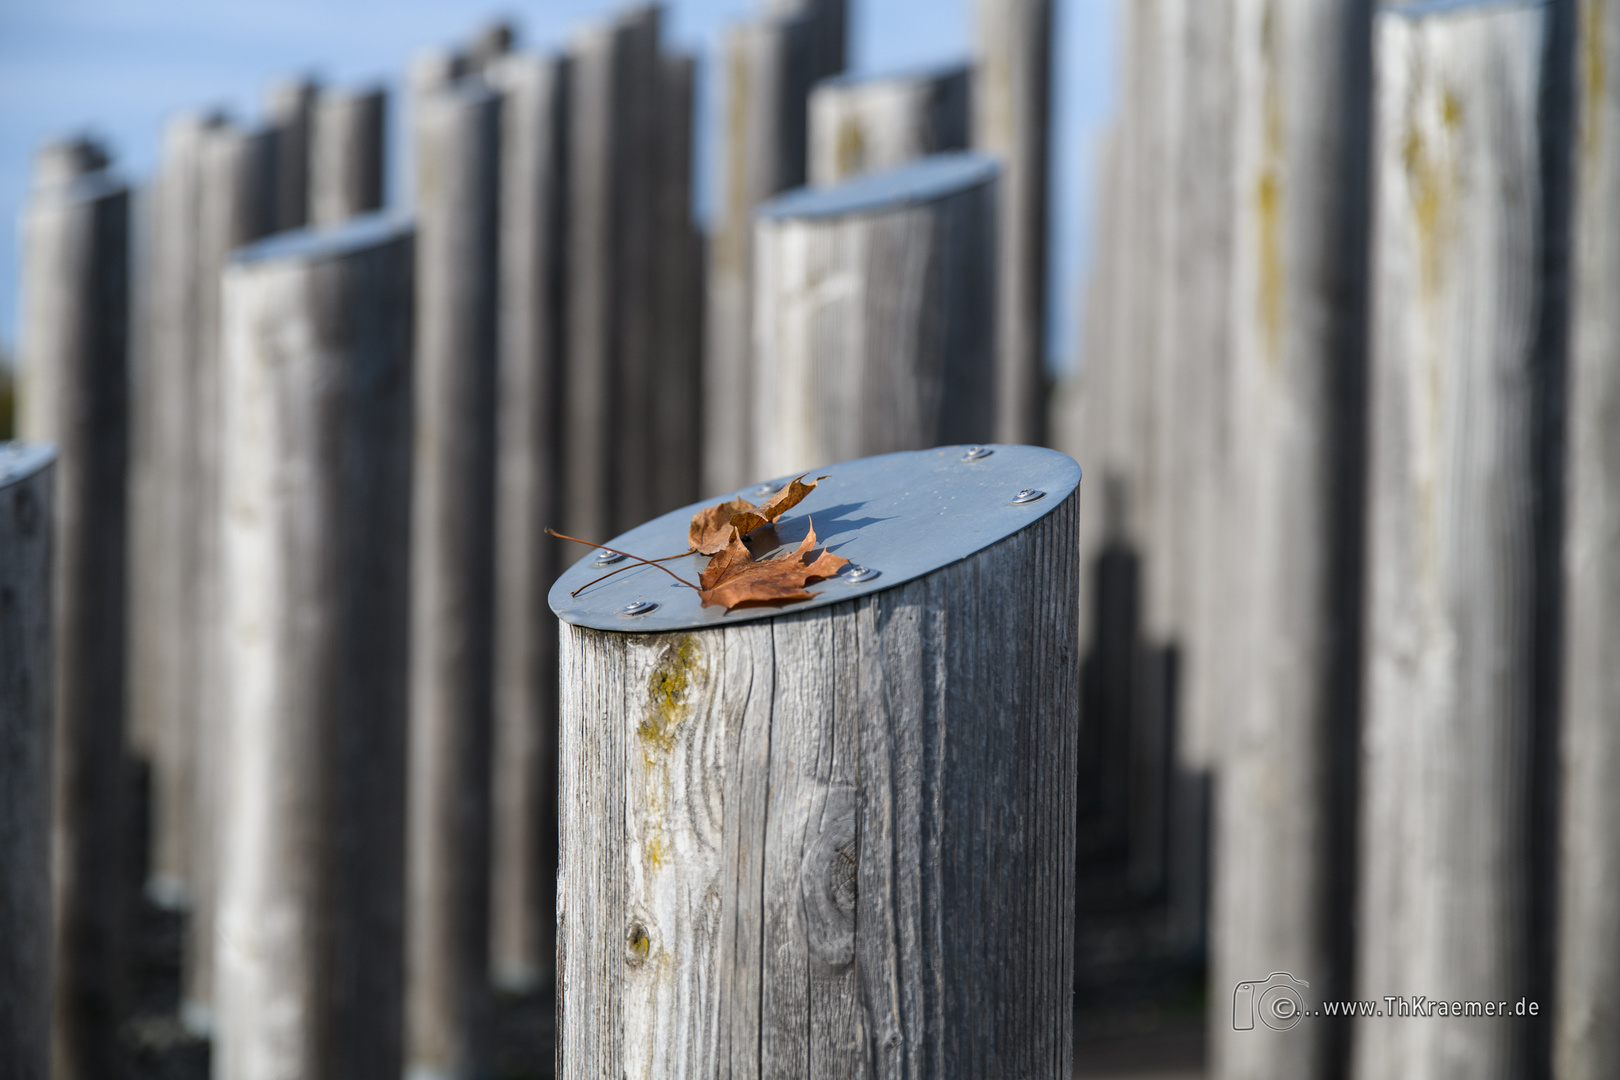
point(27, 476)
point(900, 358)
point(1012, 91)
point(1587, 1000)
point(75, 367)
point(533, 170)
point(1452, 710)
point(290, 113)
point(346, 155)
point(452, 581)
point(822, 843)
point(317, 390)
point(861, 125)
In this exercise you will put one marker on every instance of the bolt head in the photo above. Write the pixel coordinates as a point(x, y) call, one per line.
point(977, 453)
point(605, 557)
point(1028, 495)
point(856, 574)
point(638, 607)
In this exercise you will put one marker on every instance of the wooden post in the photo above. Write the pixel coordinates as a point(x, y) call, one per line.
point(27, 476)
point(677, 371)
point(452, 581)
point(75, 368)
point(1452, 711)
point(900, 356)
point(826, 843)
point(533, 170)
point(290, 113)
point(1588, 991)
point(771, 64)
point(317, 391)
point(1012, 94)
point(861, 125)
point(346, 155)
point(488, 46)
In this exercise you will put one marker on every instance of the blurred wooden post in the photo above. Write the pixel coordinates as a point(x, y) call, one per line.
point(27, 475)
point(901, 355)
point(452, 581)
point(677, 373)
point(346, 155)
point(317, 391)
point(1012, 94)
point(533, 170)
point(1587, 999)
point(290, 114)
point(819, 845)
point(489, 46)
point(861, 125)
point(771, 64)
point(1455, 514)
point(75, 377)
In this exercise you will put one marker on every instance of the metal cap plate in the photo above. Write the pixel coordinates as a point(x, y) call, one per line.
point(20, 460)
point(898, 516)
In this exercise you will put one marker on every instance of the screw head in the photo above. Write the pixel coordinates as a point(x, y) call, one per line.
point(604, 557)
point(1028, 495)
point(855, 574)
point(769, 488)
point(638, 607)
point(977, 453)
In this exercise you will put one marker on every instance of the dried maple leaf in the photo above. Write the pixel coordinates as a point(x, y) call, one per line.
point(749, 519)
point(734, 578)
point(711, 529)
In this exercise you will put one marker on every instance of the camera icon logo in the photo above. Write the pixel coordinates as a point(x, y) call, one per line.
point(1277, 1000)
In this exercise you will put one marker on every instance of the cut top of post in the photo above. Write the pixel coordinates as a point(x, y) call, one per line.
point(1423, 8)
point(925, 180)
point(20, 460)
point(924, 73)
point(355, 234)
point(895, 517)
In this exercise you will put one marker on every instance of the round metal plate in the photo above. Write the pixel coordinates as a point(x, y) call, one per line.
point(903, 515)
point(19, 460)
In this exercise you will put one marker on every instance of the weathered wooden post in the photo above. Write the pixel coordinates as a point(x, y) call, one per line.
point(317, 394)
point(1012, 90)
point(27, 476)
point(452, 581)
point(1587, 999)
point(771, 64)
point(869, 124)
point(900, 355)
point(533, 171)
point(834, 839)
point(290, 113)
point(346, 166)
point(1456, 516)
point(74, 392)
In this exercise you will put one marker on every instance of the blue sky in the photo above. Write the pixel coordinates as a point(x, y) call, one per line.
point(118, 68)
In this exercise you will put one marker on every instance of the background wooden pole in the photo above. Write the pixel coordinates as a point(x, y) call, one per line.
point(821, 845)
point(452, 581)
point(902, 358)
point(861, 125)
point(317, 389)
point(771, 64)
point(533, 171)
point(290, 113)
point(74, 392)
point(1588, 992)
point(346, 154)
point(26, 681)
point(1012, 91)
point(1446, 893)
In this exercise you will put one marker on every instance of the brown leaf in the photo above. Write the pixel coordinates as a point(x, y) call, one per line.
point(750, 519)
point(711, 529)
point(735, 579)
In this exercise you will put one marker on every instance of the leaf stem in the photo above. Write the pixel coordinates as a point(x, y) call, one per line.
point(621, 569)
point(626, 554)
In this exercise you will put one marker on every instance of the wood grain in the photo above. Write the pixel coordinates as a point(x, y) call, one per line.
point(346, 165)
point(289, 110)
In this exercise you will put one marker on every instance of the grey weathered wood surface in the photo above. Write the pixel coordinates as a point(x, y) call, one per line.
point(290, 113)
point(898, 353)
point(452, 580)
point(74, 392)
point(830, 844)
point(1588, 991)
point(1012, 91)
point(677, 373)
point(346, 165)
point(771, 63)
point(1447, 787)
point(489, 45)
point(317, 487)
point(861, 125)
point(26, 512)
point(532, 250)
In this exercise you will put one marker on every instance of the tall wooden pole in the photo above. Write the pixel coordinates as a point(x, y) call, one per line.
point(317, 482)
point(902, 358)
point(1588, 991)
point(677, 365)
point(1012, 91)
point(452, 582)
point(27, 476)
point(860, 125)
point(1448, 884)
point(346, 169)
point(75, 367)
point(290, 113)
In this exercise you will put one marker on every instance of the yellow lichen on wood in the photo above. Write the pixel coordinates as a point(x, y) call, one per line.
point(850, 154)
point(1268, 195)
point(1594, 77)
point(668, 707)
